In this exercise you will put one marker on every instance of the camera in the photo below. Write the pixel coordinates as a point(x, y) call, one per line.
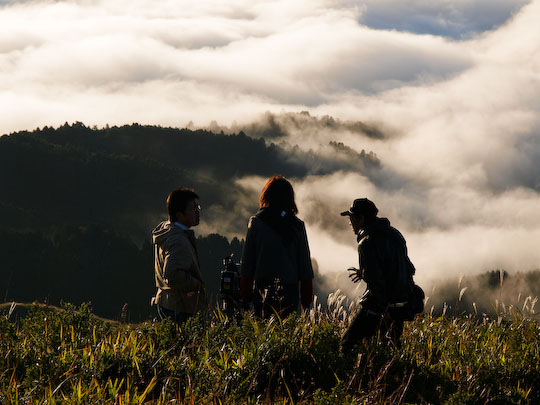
point(229, 290)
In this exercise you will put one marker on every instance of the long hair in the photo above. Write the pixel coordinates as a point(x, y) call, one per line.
point(278, 193)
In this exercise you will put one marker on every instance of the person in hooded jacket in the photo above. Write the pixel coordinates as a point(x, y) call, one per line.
point(181, 291)
point(388, 272)
point(276, 271)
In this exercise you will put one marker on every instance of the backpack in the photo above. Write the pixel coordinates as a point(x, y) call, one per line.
point(415, 304)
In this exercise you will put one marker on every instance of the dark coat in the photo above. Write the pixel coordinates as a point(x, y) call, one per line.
point(276, 247)
point(385, 265)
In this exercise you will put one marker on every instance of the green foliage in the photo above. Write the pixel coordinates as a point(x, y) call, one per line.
point(70, 355)
point(492, 293)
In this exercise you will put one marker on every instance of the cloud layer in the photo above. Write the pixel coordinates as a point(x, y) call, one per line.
point(173, 62)
point(454, 86)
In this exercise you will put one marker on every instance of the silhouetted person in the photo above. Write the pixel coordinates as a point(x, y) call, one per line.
point(180, 288)
point(385, 267)
point(276, 272)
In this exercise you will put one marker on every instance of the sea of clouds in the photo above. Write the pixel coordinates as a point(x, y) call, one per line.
point(454, 87)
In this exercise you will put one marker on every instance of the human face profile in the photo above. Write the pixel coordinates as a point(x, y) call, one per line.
point(357, 222)
point(191, 215)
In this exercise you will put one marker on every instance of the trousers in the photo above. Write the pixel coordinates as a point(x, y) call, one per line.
point(178, 317)
point(368, 323)
point(279, 298)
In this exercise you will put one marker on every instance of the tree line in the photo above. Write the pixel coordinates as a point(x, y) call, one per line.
point(97, 265)
point(78, 205)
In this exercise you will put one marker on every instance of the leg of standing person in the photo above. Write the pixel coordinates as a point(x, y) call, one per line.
point(364, 325)
point(178, 317)
point(395, 329)
point(290, 300)
point(258, 300)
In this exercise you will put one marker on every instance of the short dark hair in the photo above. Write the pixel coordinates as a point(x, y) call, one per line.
point(278, 193)
point(178, 200)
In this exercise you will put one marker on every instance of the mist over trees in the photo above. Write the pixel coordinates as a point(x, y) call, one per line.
point(120, 176)
point(79, 204)
point(278, 126)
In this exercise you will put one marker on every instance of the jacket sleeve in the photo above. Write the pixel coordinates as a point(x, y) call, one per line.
point(410, 266)
point(305, 267)
point(306, 293)
point(249, 255)
point(246, 288)
point(373, 273)
point(177, 264)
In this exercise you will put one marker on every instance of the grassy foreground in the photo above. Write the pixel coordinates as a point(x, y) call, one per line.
point(70, 355)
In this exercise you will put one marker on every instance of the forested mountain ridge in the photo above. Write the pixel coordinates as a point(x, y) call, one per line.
point(78, 205)
point(113, 175)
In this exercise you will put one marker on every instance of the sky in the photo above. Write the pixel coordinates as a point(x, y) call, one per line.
point(454, 86)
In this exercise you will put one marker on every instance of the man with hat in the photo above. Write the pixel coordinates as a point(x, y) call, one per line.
point(387, 271)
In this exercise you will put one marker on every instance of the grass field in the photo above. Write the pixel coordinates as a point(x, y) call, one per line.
point(69, 355)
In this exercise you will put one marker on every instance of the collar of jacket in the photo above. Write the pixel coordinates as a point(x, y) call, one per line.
point(379, 224)
point(286, 224)
point(181, 226)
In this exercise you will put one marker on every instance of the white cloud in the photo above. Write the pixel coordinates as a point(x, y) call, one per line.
point(459, 176)
point(279, 55)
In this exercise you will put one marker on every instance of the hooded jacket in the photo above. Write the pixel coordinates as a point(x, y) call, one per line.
point(179, 282)
point(385, 265)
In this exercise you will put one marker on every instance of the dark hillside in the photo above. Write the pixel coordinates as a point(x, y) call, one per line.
point(51, 184)
point(220, 155)
point(78, 205)
point(119, 177)
point(92, 264)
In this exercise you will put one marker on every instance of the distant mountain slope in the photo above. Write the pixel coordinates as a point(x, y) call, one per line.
point(119, 177)
point(217, 154)
point(77, 205)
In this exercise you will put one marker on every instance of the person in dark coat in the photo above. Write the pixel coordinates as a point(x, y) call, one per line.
point(387, 270)
point(276, 271)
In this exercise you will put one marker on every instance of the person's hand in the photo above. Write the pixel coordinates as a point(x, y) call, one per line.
point(354, 274)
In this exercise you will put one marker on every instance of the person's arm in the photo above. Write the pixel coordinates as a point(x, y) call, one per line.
point(305, 271)
point(373, 274)
point(249, 259)
point(410, 265)
point(246, 288)
point(306, 293)
point(178, 262)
